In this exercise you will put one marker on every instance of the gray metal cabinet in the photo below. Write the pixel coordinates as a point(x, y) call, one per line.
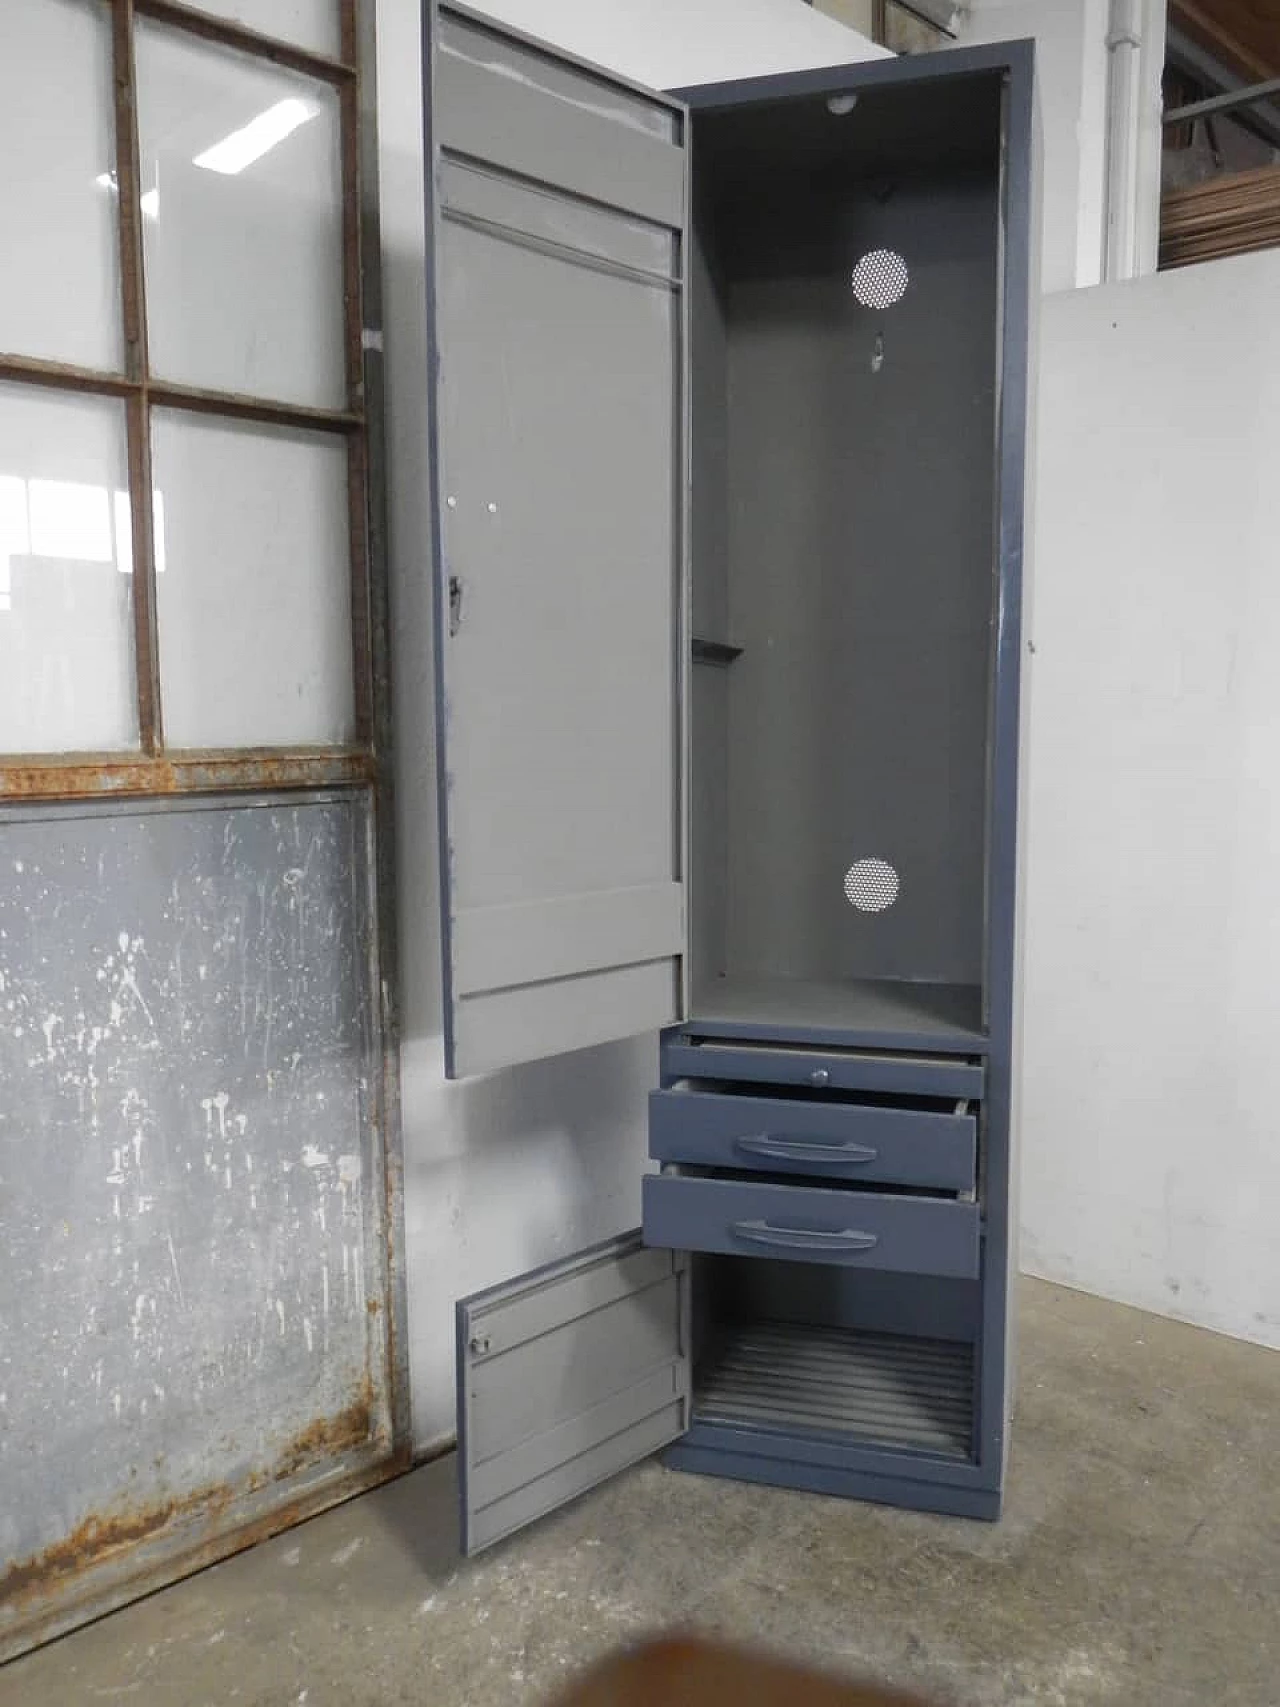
point(728, 495)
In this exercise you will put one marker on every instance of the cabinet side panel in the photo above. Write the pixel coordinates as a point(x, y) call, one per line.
point(1003, 983)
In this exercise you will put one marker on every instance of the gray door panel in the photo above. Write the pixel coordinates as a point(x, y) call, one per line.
point(565, 1377)
point(561, 447)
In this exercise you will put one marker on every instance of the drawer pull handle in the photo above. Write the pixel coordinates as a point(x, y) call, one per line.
point(804, 1238)
point(805, 1149)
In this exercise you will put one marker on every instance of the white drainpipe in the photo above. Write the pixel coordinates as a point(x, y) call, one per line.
point(1124, 87)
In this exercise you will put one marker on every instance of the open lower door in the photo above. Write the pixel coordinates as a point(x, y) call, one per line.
point(565, 1377)
point(558, 201)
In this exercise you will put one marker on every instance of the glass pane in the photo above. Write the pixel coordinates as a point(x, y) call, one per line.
point(254, 605)
point(905, 33)
point(60, 281)
point(66, 607)
point(244, 252)
point(857, 14)
point(306, 23)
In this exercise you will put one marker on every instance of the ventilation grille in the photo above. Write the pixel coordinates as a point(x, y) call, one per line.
point(874, 1387)
point(871, 885)
point(880, 278)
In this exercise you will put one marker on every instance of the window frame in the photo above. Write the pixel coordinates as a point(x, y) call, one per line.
point(153, 767)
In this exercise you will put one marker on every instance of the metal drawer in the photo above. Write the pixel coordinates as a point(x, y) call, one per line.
point(832, 1139)
point(852, 1229)
point(828, 1069)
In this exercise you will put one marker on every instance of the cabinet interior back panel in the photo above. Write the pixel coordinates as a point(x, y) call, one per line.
point(855, 511)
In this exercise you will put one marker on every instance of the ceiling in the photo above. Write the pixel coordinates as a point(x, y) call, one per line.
point(1243, 35)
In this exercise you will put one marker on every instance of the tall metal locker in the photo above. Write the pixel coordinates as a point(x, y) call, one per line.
point(728, 417)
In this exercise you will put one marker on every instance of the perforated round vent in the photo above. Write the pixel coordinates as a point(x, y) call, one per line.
point(880, 278)
point(871, 885)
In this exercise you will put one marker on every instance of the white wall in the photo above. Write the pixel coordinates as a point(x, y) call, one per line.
point(1071, 76)
point(1071, 63)
point(670, 44)
point(1152, 1065)
point(511, 1171)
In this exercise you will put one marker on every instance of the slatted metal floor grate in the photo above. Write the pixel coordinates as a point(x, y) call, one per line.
point(878, 1387)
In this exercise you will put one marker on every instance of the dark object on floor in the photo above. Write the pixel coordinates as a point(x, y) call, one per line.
point(688, 1672)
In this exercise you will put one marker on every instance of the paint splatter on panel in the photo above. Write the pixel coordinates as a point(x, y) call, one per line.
point(185, 1161)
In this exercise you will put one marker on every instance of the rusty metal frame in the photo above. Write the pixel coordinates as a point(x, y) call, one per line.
point(112, 1560)
point(227, 33)
point(359, 32)
point(133, 286)
point(151, 769)
point(116, 1557)
point(77, 776)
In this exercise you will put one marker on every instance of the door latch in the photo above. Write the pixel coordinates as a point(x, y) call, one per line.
point(455, 604)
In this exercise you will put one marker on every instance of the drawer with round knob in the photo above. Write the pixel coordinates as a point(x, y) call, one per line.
point(896, 1072)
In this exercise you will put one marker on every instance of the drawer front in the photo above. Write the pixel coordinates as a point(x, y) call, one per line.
point(842, 1070)
point(833, 1140)
point(795, 1223)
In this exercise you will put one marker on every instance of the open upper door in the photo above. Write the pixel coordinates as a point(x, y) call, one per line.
point(566, 1377)
point(557, 209)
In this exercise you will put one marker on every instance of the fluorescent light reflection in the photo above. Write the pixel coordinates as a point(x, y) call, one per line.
point(257, 138)
point(68, 521)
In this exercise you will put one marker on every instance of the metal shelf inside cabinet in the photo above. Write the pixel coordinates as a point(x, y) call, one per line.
point(717, 652)
point(893, 1390)
point(890, 1013)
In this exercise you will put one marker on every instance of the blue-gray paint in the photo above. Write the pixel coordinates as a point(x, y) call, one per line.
point(1006, 846)
point(847, 1480)
point(693, 1053)
point(807, 1222)
point(963, 1053)
point(829, 1454)
point(865, 1014)
point(857, 1142)
point(1013, 57)
point(1013, 62)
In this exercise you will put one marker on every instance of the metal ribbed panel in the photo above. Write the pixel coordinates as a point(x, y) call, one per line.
point(878, 1387)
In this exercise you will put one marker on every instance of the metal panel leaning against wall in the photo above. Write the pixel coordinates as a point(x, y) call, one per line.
point(201, 1301)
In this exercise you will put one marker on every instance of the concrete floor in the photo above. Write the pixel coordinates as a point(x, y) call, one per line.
point(1138, 1564)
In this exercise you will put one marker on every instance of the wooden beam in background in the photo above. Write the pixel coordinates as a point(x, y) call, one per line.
point(1244, 35)
point(1227, 216)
